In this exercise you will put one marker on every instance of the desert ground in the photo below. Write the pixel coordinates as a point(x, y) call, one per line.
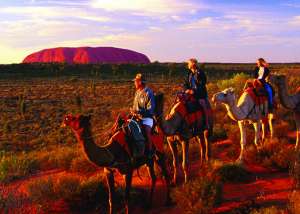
point(43, 170)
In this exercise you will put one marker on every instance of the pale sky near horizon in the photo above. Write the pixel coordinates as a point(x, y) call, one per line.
point(164, 30)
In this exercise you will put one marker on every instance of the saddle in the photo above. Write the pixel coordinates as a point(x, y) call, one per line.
point(191, 103)
point(257, 91)
point(135, 135)
point(192, 112)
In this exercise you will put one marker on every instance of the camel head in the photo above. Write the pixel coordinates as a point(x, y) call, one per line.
point(278, 79)
point(76, 122)
point(226, 97)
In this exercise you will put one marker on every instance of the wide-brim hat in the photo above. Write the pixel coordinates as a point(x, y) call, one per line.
point(140, 77)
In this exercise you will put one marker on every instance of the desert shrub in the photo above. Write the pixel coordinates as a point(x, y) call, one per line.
point(58, 158)
point(88, 194)
point(237, 82)
point(219, 133)
point(233, 173)
point(294, 202)
point(268, 210)
point(274, 154)
point(78, 193)
point(13, 167)
point(281, 129)
point(295, 170)
point(198, 196)
point(10, 200)
point(293, 83)
point(81, 165)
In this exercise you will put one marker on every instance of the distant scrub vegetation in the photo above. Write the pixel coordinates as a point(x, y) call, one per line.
point(155, 70)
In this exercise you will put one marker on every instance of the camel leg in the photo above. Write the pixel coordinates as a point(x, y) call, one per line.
point(200, 142)
point(271, 117)
point(264, 130)
point(257, 127)
point(174, 151)
point(204, 146)
point(111, 189)
point(128, 181)
point(207, 146)
point(243, 140)
point(153, 181)
point(297, 140)
point(185, 158)
point(162, 164)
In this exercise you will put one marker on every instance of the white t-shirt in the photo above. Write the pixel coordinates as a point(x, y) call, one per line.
point(261, 72)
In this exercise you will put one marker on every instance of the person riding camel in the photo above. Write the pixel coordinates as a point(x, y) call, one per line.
point(262, 73)
point(143, 107)
point(195, 84)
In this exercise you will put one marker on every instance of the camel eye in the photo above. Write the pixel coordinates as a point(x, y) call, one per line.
point(225, 95)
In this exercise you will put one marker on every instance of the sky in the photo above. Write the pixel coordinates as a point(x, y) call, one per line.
point(164, 30)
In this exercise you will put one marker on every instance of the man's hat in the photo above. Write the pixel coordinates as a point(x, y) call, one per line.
point(139, 76)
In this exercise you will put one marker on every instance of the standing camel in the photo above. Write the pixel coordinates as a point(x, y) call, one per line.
point(175, 127)
point(113, 156)
point(245, 110)
point(291, 102)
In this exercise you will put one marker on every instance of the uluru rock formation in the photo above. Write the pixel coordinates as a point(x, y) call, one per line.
point(87, 55)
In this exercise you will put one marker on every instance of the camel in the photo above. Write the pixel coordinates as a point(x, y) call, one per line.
point(113, 156)
point(176, 129)
point(245, 110)
point(291, 102)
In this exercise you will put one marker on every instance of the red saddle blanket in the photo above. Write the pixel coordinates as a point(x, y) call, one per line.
point(157, 138)
point(194, 119)
point(258, 99)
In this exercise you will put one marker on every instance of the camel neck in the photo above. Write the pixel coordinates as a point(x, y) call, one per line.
point(99, 156)
point(284, 96)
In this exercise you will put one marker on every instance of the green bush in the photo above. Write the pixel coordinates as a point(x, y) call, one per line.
point(237, 82)
point(233, 173)
point(198, 196)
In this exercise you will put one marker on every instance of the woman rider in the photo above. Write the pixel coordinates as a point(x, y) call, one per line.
point(195, 84)
point(261, 73)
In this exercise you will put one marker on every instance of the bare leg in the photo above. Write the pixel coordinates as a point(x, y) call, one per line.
point(174, 151)
point(111, 189)
point(243, 140)
point(185, 159)
point(128, 181)
point(153, 181)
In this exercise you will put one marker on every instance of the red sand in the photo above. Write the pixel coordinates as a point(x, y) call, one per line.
point(267, 188)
